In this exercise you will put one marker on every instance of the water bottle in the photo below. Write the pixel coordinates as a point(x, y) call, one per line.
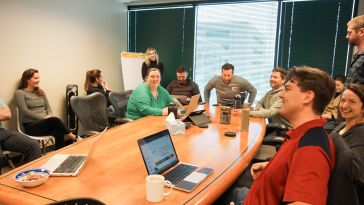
point(244, 123)
point(237, 101)
point(172, 108)
point(242, 97)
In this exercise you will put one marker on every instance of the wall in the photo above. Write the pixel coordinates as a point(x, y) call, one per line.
point(62, 39)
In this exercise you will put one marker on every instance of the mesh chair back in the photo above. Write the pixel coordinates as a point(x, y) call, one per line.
point(91, 111)
point(119, 101)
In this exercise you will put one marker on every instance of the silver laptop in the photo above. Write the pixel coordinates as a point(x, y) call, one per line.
point(181, 98)
point(160, 157)
point(71, 164)
point(191, 106)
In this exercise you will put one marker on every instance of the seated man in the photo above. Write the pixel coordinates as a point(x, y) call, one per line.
point(270, 104)
point(300, 171)
point(183, 86)
point(14, 141)
point(228, 85)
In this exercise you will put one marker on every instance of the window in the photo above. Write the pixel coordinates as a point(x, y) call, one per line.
point(204, 36)
point(242, 34)
point(170, 30)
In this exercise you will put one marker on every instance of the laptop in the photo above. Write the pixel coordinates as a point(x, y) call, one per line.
point(160, 157)
point(71, 164)
point(197, 117)
point(181, 98)
point(191, 106)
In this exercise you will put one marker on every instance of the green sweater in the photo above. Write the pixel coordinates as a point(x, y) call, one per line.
point(269, 107)
point(142, 103)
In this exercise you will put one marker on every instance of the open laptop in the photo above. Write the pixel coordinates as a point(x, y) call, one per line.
point(71, 164)
point(160, 157)
point(191, 106)
point(181, 98)
point(196, 116)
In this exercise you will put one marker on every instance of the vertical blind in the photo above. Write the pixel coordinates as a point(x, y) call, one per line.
point(242, 34)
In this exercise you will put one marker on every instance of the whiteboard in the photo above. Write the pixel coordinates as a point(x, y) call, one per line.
point(131, 68)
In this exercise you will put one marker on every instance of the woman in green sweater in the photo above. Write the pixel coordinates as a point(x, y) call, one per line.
point(149, 98)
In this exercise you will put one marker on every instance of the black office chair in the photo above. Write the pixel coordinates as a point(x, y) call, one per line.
point(274, 134)
point(91, 112)
point(341, 183)
point(78, 201)
point(119, 100)
point(273, 139)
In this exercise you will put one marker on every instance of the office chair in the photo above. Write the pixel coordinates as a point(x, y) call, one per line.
point(8, 159)
point(91, 112)
point(119, 100)
point(341, 183)
point(273, 139)
point(44, 141)
point(274, 134)
point(78, 201)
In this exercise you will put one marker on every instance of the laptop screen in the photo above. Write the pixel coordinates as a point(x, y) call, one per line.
point(158, 152)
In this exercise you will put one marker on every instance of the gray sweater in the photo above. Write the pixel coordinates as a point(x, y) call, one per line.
point(31, 106)
point(226, 92)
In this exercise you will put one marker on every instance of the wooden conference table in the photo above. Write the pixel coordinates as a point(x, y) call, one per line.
point(116, 173)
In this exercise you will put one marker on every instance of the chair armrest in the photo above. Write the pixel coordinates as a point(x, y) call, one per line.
point(276, 129)
point(88, 133)
point(122, 120)
point(273, 140)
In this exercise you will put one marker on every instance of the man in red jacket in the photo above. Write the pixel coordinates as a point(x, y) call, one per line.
point(300, 171)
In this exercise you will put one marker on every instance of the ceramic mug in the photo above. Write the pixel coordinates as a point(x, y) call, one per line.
point(155, 188)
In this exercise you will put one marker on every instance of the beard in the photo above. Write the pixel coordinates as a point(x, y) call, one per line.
point(353, 42)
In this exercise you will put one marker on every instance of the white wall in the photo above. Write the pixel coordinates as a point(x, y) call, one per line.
point(62, 39)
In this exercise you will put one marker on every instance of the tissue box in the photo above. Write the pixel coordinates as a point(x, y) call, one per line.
point(176, 127)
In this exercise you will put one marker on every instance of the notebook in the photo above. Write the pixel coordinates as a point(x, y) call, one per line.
point(71, 164)
point(160, 157)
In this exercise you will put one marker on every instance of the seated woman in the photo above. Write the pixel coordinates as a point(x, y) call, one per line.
point(36, 113)
point(149, 98)
point(352, 110)
point(331, 111)
point(95, 83)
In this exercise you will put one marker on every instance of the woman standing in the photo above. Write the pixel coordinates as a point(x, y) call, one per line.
point(149, 98)
point(36, 113)
point(348, 176)
point(151, 61)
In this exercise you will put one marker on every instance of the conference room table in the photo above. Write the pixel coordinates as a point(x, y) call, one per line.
point(116, 173)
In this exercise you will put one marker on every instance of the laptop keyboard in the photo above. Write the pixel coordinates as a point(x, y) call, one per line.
point(178, 173)
point(70, 165)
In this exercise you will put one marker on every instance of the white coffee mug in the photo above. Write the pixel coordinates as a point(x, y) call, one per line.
point(155, 187)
